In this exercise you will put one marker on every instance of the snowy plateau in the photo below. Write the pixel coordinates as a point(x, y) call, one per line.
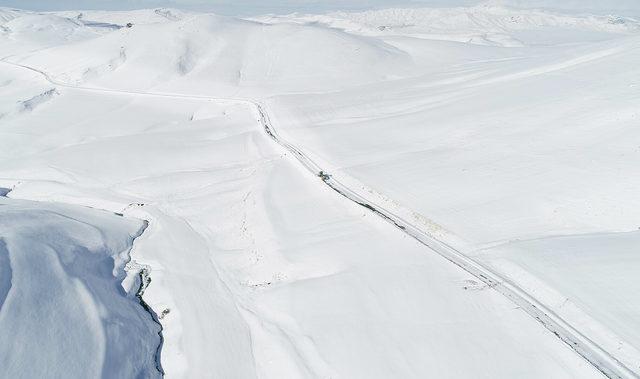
point(392, 193)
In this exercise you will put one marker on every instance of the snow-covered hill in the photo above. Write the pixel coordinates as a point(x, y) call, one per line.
point(482, 25)
point(500, 147)
point(202, 53)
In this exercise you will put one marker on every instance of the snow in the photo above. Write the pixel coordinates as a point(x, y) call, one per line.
point(483, 24)
point(528, 145)
point(63, 311)
point(590, 278)
point(510, 137)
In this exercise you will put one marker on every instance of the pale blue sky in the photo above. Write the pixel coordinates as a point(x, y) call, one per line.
point(244, 7)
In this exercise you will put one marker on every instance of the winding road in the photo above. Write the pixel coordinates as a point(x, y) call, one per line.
point(601, 359)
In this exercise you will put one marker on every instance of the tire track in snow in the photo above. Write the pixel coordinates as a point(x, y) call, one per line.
point(601, 359)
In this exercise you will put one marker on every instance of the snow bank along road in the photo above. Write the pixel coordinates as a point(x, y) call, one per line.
point(581, 344)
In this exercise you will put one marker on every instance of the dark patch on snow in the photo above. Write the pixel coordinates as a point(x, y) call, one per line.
point(96, 24)
point(4, 192)
point(31, 104)
point(164, 312)
point(616, 20)
point(145, 280)
point(103, 25)
point(166, 13)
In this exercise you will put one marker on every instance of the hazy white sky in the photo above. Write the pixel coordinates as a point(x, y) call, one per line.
point(243, 7)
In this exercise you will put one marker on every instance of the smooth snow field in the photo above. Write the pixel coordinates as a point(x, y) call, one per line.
point(398, 193)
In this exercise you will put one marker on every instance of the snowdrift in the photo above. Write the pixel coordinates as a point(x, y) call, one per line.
point(63, 310)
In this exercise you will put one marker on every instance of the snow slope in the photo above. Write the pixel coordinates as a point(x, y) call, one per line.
point(249, 252)
point(480, 25)
point(204, 53)
point(591, 277)
point(63, 312)
point(477, 132)
point(528, 145)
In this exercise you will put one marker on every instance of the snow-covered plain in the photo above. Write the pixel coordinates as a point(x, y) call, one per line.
point(509, 135)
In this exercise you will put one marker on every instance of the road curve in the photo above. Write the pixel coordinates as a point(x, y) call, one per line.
point(601, 359)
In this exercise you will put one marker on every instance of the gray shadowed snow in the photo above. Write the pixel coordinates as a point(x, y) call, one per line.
point(61, 269)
